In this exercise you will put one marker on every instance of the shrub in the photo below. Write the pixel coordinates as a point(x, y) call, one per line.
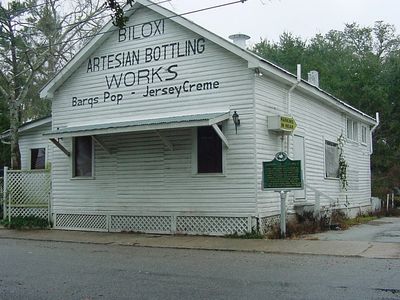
point(254, 234)
point(29, 222)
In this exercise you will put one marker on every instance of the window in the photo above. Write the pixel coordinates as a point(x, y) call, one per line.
point(83, 157)
point(349, 129)
point(364, 134)
point(352, 130)
point(209, 151)
point(38, 158)
point(331, 160)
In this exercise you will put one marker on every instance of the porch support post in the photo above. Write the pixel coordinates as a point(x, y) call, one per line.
point(61, 147)
point(221, 135)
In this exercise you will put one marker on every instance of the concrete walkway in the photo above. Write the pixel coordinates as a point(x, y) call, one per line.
point(310, 245)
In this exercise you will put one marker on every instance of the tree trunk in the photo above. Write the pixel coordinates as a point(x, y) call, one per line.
point(14, 124)
point(14, 105)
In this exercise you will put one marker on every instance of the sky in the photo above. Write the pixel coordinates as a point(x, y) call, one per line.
point(267, 19)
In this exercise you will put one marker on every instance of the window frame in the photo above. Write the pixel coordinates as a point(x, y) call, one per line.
point(349, 129)
point(30, 158)
point(352, 130)
point(363, 130)
point(73, 176)
point(330, 143)
point(195, 155)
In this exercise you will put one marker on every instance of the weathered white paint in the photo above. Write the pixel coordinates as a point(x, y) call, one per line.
point(33, 138)
point(141, 174)
point(316, 122)
point(153, 173)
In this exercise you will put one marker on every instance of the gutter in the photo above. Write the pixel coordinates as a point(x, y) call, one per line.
point(289, 103)
point(372, 131)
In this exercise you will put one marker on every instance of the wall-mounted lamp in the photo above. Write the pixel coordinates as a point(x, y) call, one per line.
point(258, 72)
point(236, 120)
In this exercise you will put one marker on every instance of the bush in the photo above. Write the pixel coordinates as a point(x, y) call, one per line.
point(29, 222)
point(254, 234)
point(392, 212)
point(305, 223)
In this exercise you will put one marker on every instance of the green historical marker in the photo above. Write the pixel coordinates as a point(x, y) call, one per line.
point(282, 174)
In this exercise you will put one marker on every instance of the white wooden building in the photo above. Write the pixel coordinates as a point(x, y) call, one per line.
point(142, 117)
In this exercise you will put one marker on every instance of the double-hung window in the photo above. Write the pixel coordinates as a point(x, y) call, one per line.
point(363, 134)
point(352, 130)
point(83, 157)
point(331, 160)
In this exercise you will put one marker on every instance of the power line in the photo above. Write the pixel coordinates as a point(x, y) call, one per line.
point(101, 17)
point(164, 18)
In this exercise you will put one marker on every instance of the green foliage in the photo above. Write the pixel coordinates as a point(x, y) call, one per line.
point(342, 164)
point(30, 222)
point(119, 18)
point(360, 65)
point(254, 234)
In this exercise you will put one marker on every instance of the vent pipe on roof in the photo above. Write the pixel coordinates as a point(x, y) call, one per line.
point(313, 78)
point(239, 39)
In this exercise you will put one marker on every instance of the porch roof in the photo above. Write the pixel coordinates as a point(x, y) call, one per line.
point(178, 121)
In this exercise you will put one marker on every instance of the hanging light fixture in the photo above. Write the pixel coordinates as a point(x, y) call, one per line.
point(236, 120)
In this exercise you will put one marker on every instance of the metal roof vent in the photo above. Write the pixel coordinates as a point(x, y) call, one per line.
point(313, 78)
point(239, 39)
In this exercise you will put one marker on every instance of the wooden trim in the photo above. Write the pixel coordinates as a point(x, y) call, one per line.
point(221, 135)
point(61, 147)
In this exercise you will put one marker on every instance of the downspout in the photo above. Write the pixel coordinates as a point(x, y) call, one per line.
point(289, 103)
point(372, 131)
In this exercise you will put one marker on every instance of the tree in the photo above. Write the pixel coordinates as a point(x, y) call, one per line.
point(35, 41)
point(360, 65)
point(119, 18)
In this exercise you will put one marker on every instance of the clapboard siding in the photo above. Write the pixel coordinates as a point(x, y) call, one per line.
point(316, 122)
point(270, 99)
point(31, 139)
point(141, 175)
point(213, 64)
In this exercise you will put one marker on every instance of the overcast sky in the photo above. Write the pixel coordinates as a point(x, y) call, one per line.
point(269, 18)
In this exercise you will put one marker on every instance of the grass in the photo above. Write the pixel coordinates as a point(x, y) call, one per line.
point(254, 234)
point(307, 224)
point(360, 220)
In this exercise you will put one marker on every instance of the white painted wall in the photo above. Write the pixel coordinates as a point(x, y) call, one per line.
point(141, 175)
point(316, 122)
point(31, 139)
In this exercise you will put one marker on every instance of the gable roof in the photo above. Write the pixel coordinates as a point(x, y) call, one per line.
point(254, 61)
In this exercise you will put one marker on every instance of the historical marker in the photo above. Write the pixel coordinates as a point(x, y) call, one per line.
point(282, 173)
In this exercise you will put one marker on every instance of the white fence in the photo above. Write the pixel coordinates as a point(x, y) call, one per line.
point(26, 193)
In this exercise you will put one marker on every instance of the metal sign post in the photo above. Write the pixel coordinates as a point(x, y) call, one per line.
point(282, 175)
point(283, 195)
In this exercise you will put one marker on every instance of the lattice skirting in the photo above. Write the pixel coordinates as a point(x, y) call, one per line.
point(267, 223)
point(81, 222)
point(153, 224)
point(211, 225)
point(207, 225)
point(29, 212)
